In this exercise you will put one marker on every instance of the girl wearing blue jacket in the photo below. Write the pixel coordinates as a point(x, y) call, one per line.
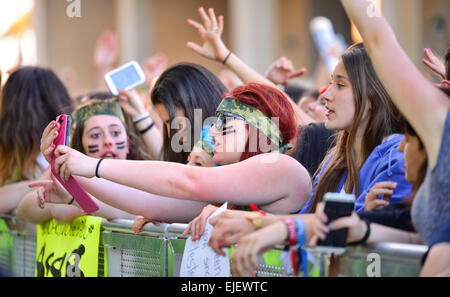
point(366, 153)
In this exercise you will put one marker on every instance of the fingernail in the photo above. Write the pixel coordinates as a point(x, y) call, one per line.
point(220, 244)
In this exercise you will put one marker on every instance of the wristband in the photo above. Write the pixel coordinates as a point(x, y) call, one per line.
point(225, 60)
point(365, 237)
point(141, 117)
point(96, 168)
point(301, 231)
point(292, 235)
point(147, 129)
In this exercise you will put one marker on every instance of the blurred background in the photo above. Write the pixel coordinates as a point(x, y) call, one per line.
point(62, 34)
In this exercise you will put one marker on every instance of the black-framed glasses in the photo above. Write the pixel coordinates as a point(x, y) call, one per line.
point(222, 116)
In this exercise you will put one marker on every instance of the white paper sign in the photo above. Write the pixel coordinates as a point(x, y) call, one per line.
point(200, 260)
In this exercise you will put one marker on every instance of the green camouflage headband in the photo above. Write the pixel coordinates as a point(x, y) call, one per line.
point(256, 118)
point(99, 107)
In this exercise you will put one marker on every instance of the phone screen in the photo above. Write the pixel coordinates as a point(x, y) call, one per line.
point(68, 125)
point(125, 77)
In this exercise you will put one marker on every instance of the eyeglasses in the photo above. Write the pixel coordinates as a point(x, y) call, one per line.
point(221, 119)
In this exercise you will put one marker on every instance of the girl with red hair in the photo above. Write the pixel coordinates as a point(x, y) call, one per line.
point(255, 125)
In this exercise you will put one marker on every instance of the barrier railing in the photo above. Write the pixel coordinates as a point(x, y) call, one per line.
point(158, 250)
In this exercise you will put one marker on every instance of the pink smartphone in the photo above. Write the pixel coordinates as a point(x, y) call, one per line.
point(72, 186)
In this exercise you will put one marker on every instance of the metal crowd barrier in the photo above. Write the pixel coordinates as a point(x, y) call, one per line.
point(158, 250)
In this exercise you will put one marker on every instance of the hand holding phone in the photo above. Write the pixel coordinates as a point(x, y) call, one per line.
point(125, 77)
point(72, 186)
point(337, 205)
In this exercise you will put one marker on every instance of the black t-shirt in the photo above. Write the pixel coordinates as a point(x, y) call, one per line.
point(313, 144)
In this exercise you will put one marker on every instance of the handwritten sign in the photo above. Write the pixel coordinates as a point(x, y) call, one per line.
point(199, 260)
point(69, 250)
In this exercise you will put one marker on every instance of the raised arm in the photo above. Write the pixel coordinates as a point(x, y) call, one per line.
point(133, 106)
point(215, 49)
point(423, 105)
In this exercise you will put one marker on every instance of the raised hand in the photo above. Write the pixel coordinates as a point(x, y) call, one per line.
point(71, 162)
point(106, 50)
point(153, 66)
point(282, 70)
point(131, 103)
point(211, 34)
point(48, 136)
point(382, 188)
point(432, 62)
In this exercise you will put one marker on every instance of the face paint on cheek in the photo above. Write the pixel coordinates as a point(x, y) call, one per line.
point(121, 145)
point(92, 149)
point(226, 132)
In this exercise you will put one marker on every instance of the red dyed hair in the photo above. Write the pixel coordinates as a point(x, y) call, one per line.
point(272, 103)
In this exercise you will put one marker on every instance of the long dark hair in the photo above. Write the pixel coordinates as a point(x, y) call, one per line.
point(31, 98)
point(137, 151)
point(384, 119)
point(187, 86)
point(409, 130)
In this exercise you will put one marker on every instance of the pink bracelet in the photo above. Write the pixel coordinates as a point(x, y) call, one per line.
point(292, 234)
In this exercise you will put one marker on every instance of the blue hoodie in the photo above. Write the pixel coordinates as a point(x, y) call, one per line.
point(385, 163)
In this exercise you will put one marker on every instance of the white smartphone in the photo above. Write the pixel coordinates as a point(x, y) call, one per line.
point(125, 77)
